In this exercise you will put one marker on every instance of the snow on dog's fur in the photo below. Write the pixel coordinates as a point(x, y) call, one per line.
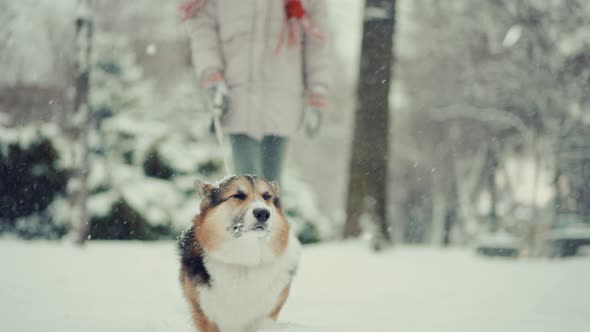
point(239, 257)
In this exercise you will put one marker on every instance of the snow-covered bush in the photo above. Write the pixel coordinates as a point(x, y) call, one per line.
point(31, 178)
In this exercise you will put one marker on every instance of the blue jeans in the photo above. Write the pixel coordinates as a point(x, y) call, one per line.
point(263, 158)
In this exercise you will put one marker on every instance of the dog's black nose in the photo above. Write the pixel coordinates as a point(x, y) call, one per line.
point(261, 215)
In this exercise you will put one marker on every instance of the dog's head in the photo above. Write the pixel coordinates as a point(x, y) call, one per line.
point(241, 220)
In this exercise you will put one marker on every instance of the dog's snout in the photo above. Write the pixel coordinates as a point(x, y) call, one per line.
point(261, 215)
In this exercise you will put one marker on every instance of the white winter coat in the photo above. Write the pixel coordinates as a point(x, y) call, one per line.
point(267, 90)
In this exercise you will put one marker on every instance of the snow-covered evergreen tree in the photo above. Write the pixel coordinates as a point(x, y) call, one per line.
point(145, 153)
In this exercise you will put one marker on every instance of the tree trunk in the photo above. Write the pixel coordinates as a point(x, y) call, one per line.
point(78, 187)
point(368, 174)
point(533, 241)
point(439, 211)
point(492, 186)
point(450, 219)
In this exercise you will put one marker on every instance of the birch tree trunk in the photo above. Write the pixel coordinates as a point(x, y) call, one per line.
point(368, 173)
point(492, 187)
point(79, 126)
point(534, 223)
point(439, 211)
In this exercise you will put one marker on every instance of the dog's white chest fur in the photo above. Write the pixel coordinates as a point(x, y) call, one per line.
point(241, 297)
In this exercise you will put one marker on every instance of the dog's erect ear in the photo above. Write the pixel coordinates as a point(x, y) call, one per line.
point(205, 189)
point(275, 188)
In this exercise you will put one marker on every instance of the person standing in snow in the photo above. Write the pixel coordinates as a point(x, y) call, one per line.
point(269, 58)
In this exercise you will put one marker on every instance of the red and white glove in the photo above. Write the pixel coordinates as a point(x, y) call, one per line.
point(315, 106)
point(217, 93)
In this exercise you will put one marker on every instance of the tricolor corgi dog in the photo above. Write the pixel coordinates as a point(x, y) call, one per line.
point(239, 257)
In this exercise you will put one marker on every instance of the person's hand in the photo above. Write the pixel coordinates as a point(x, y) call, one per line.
point(313, 117)
point(217, 93)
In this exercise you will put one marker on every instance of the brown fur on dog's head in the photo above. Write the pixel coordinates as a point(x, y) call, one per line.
point(231, 203)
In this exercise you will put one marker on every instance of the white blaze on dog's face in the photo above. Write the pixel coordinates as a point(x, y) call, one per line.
point(241, 221)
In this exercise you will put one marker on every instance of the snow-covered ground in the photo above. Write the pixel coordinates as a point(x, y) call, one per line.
point(131, 286)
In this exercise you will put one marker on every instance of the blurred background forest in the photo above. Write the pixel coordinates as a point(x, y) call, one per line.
point(488, 144)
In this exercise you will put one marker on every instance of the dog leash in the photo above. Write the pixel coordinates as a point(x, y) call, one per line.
point(217, 112)
point(188, 10)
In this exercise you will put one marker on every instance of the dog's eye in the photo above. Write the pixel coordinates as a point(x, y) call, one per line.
point(266, 196)
point(240, 196)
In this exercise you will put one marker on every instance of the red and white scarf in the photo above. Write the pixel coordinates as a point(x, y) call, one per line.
point(190, 8)
point(296, 20)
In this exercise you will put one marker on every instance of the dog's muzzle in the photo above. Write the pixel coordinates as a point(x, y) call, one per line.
point(260, 226)
point(238, 227)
